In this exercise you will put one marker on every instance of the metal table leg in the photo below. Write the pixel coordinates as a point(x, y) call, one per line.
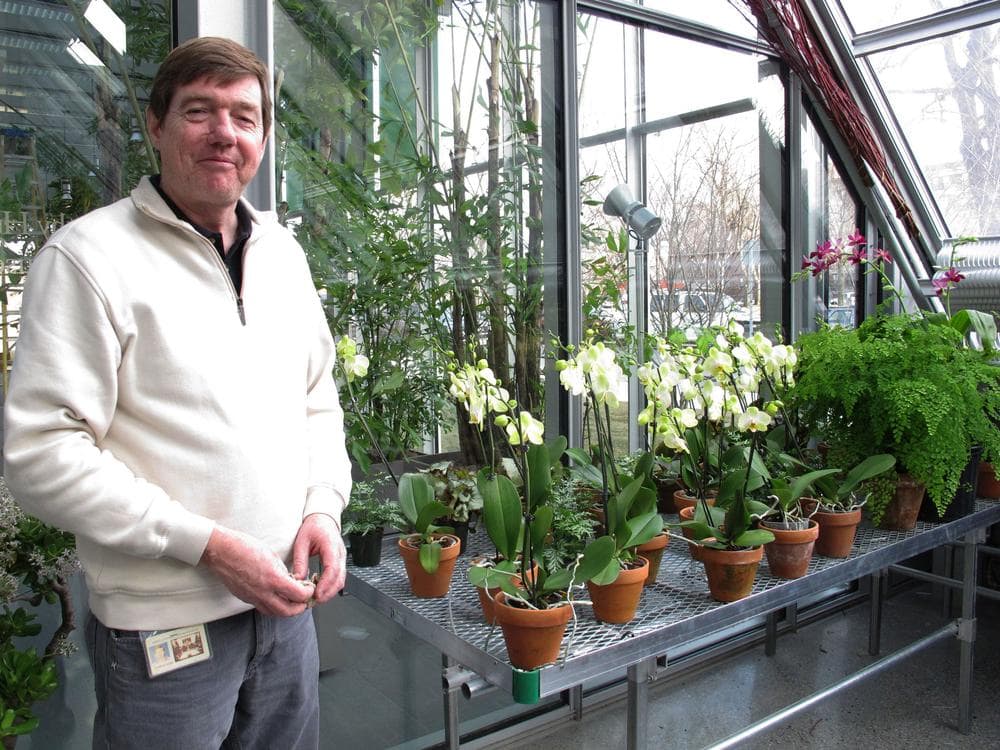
point(450, 689)
point(967, 629)
point(878, 584)
point(576, 702)
point(771, 633)
point(637, 722)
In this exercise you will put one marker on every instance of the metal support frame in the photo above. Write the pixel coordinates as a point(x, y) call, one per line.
point(877, 596)
point(881, 665)
point(640, 675)
point(665, 623)
point(967, 631)
point(576, 701)
point(451, 686)
point(771, 634)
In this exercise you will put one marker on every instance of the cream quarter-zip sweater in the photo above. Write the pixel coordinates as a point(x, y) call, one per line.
point(142, 411)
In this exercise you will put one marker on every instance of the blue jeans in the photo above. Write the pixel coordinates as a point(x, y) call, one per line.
point(259, 691)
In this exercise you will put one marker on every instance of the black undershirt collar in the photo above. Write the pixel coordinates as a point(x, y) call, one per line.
point(233, 260)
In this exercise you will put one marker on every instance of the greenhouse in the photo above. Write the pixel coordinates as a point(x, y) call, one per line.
point(407, 323)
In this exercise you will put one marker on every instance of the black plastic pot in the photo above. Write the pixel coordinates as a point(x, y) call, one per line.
point(366, 549)
point(964, 501)
point(462, 532)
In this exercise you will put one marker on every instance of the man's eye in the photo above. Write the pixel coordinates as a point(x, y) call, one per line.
point(196, 113)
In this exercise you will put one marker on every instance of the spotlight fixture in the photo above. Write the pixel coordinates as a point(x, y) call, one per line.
point(641, 222)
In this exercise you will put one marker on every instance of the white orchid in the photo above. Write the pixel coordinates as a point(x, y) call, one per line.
point(753, 420)
point(354, 365)
point(527, 429)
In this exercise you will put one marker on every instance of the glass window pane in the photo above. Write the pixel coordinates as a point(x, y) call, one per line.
point(700, 138)
point(703, 151)
point(722, 14)
point(72, 121)
point(944, 95)
point(411, 139)
point(866, 15)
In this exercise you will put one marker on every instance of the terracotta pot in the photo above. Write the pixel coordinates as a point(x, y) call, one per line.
point(617, 602)
point(789, 554)
point(901, 513)
point(731, 572)
point(426, 585)
point(988, 484)
point(683, 500)
point(687, 514)
point(652, 552)
point(488, 595)
point(836, 532)
point(533, 636)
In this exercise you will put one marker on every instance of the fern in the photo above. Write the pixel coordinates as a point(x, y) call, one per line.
point(901, 385)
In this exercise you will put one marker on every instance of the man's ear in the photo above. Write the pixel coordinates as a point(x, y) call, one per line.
point(153, 128)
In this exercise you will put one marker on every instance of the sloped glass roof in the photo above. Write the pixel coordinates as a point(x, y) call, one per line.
point(721, 14)
point(943, 93)
point(866, 15)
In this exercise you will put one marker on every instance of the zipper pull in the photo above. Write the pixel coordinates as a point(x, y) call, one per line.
point(239, 309)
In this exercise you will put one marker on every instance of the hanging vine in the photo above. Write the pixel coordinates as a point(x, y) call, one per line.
point(783, 23)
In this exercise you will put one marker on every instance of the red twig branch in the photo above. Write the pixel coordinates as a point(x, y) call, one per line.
point(784, 25)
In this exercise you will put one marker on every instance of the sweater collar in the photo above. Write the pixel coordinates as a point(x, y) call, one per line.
point(149, 199)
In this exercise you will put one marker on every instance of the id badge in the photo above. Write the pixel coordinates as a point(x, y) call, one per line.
point(168, 650)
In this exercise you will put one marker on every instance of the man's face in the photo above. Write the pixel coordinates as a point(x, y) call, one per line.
point(211, 141)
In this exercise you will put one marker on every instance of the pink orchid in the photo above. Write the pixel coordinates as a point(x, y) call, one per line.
point(883, 255)
point(947, 280)
point(857, 255)
point(856, 240)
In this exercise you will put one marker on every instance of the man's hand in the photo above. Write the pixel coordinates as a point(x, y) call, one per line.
point(319, 535)
point(253, 573)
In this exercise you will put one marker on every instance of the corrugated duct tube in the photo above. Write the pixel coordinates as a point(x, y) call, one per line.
point(980, 289)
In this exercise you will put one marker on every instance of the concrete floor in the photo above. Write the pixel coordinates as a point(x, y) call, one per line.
point(913, 705)
point(383, 690)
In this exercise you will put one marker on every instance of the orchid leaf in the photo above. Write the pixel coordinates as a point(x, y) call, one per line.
point(608, 575)
point(753, 538)
point(539, 476)
point(430, 556)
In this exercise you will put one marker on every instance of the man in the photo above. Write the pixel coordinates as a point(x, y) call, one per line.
point(172, 404)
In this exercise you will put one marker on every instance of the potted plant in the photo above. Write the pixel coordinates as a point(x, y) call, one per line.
point(795, 532)
point(36, 561)
point(836, 505)
point(731, 544)
point(428, 550)
point(714, 400)
point(535, 601)
point(629, 509)
point(906, 384)
point(365, 520)
point(455, 487)
point(903, 386)
point(536, 596)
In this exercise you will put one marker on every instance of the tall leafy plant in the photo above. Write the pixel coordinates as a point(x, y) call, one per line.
point(901, 385)
point(36, 561)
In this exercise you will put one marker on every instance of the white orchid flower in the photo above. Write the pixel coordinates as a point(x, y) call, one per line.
point(528, 430)
point(753, 420)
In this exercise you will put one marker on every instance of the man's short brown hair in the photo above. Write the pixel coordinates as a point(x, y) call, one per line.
point(212, 57)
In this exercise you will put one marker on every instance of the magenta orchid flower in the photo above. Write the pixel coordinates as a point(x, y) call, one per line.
point(856, 240)
point(947, 280)
point(883, 256)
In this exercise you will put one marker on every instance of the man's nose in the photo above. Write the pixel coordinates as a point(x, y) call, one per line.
point(223, 129)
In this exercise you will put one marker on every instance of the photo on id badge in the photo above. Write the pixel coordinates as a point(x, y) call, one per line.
point(174, 649)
